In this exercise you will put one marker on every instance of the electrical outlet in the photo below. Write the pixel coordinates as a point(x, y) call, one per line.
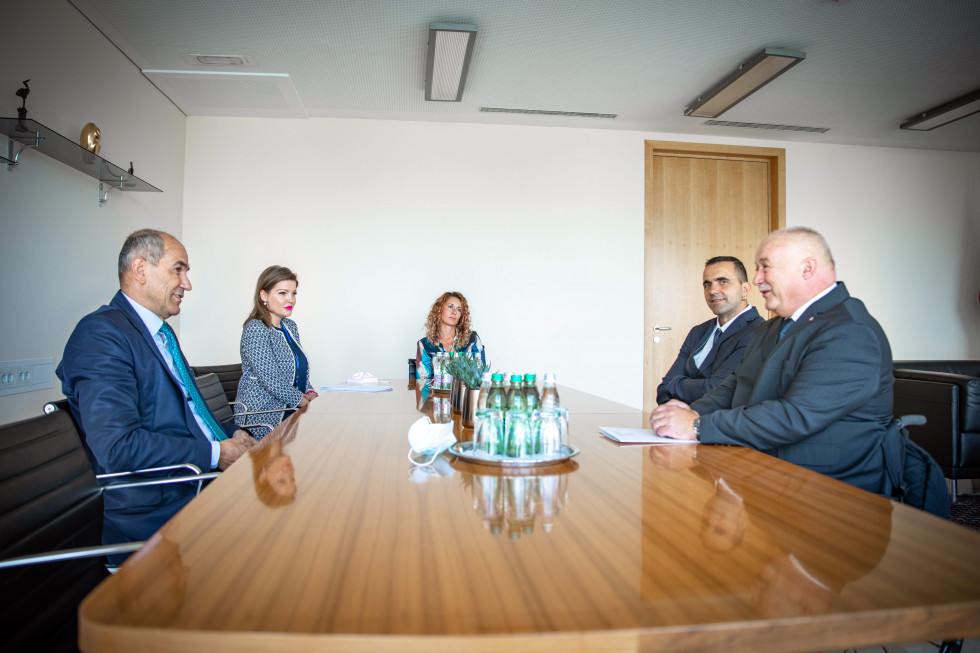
point(26, 375)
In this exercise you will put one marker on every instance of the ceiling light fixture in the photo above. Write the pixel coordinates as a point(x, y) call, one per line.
point(447, 61)
point(217, 60)
point(961, 107)
point(751, 75)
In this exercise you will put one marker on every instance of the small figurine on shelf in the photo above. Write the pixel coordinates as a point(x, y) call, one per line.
point(91, 138)
point(130, 171)
point(22, 93)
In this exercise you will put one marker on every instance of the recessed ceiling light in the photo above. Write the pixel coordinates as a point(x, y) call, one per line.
point(217, 60)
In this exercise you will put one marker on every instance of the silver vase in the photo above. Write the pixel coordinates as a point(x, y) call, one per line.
point(470, 400)
point(456, 395)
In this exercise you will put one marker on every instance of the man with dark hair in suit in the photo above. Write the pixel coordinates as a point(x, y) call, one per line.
point(713, 349)
point(815, 385)
point(132, 394)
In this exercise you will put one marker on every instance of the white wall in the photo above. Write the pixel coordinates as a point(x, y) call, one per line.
point(542, 229)
point(57, 246)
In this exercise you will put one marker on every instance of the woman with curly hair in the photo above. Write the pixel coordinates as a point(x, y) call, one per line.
point(447, 329)
point(275, 369)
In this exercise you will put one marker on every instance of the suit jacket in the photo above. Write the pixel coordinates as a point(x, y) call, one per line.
point(133, 415)
point(685, 381)
point(268, 371)
point(819, 397)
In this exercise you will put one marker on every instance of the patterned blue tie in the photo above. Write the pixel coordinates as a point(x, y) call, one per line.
point(787, 323)
point(189, 384)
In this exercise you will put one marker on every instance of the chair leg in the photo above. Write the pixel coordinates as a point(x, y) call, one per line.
point(951, 646)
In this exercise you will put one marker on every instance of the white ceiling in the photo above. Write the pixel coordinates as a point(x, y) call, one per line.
point(870, 64)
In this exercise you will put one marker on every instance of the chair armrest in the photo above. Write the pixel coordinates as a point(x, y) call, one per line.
point(265, 412)
point(966, 404)
point(192, 468)
point(70, 554)
point(198, 478)
point(938, 377)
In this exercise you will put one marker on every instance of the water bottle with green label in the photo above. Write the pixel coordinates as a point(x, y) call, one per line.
point(497, 397)
point(531, 398)
point(515, 395)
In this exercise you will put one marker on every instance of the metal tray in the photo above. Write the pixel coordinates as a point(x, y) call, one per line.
point(465, 451)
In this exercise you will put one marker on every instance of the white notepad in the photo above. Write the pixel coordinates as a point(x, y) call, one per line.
point(638, 436)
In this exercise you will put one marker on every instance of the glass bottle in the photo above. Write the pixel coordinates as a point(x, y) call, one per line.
point(497, 397)
point(531, 398)
point(515, 395)
point(481, 402)
point(549, 393)
point(447, 378)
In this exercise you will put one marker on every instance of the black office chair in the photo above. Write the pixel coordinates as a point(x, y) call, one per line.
point(51, 554)
point(211, 391)
point(911, 474)
point(229, 375)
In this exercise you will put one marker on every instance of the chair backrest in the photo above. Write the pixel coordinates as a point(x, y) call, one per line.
point(212, 392)
point(229, 375)
point(49, 499)
point(911, 476)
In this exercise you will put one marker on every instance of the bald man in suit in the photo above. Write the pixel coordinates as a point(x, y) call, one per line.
point(815, 385)
point(125, 389)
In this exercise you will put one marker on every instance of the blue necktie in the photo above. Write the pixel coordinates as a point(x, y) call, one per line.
point(787, 323)
point(713, 341)
point(189, 384)
point(697, 354)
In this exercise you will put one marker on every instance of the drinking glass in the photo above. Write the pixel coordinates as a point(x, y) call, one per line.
point(488, 431)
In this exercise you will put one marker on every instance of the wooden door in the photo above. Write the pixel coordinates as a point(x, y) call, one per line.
point(701, 201)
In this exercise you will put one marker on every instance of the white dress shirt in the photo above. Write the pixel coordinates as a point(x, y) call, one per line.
point(153, 323)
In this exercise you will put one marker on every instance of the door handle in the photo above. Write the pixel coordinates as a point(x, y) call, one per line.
point(660, 328)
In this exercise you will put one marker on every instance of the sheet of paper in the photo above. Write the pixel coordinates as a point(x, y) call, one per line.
point(345, 387)
point(637, 436)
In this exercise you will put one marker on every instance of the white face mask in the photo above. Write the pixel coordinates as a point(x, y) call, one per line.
point(429, 439)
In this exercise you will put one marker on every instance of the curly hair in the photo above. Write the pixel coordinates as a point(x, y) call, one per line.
point(433, 321)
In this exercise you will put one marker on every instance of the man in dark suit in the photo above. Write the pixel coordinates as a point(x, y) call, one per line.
point(815, 386)
point(124, 377)
point(713, 349)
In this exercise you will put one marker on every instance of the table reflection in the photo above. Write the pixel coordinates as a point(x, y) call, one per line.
point(154, 587)
point(518, 502)
point(272, 468)
point(749, 509)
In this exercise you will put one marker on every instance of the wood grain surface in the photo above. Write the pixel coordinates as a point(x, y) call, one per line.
point(325, 538)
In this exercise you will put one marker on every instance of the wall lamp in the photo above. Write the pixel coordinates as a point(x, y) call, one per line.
point(961, 107)
point(752, 74)
point(447, 61)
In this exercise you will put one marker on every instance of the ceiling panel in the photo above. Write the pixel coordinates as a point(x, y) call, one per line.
point(870, 64)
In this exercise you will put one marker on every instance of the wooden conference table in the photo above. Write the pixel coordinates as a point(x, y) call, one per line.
point(623, 548)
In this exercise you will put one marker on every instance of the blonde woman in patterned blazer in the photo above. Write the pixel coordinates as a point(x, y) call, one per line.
point(275, 369)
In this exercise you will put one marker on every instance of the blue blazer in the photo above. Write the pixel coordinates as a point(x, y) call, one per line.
point(685, 380)
point(819, 397)
point(133, 415)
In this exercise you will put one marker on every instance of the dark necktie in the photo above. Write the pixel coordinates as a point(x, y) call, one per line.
point(714, 341)
point(189, 384)
point(787, 323)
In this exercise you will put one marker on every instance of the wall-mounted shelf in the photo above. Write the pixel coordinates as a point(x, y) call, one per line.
point(30, 133)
